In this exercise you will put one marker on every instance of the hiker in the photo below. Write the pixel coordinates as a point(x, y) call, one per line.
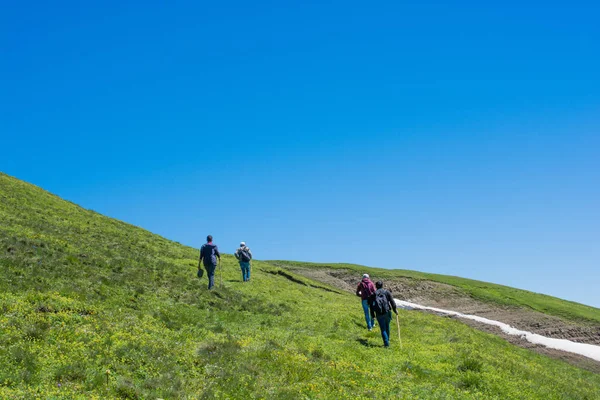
point(365, 289)
point(381, 301)
point(209, 252)
point(244, 256)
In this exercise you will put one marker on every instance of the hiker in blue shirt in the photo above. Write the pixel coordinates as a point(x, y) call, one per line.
point(209, 253)
point(244, 256)
point(382, 302)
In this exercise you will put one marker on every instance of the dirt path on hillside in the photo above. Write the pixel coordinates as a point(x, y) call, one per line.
point(440, 295)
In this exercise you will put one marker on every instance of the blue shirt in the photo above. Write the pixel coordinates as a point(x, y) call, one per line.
point(209, 253)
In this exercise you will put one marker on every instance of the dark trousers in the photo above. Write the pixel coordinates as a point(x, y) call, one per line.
point(384, 325)
point(210, 271)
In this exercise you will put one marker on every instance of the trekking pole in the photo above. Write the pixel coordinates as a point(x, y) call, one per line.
point(221, 274)
point(398, 323)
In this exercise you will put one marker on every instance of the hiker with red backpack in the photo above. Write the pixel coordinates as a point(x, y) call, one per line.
point(381, 303)
point(365, 289)
point(244, 256)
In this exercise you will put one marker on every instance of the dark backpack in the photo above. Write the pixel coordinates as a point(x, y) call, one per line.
point(380, 303)
point(244, 256)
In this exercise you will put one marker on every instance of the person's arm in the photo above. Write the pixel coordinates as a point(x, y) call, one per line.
point(358, 290)
point(249, 253)
point(371, 309)
point(200, 261)
point(237, 254)
point(392, 301)
point(217, 253)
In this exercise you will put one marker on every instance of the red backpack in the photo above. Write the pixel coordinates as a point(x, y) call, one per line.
point(366, 289)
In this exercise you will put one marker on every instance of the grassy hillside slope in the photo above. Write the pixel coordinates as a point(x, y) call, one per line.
point(82, 294)
point(484, 291)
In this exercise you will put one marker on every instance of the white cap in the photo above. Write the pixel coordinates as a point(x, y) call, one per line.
point(365, 275)
point(242, 243)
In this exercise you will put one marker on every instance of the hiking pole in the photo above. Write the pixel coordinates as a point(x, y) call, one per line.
point(221, 274)
point(398, 323)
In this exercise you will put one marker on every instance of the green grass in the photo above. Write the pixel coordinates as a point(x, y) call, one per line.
point(81, 294)
point(484, 291)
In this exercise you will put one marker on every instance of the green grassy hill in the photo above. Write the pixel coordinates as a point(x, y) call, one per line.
point(484, 291)
point(82, 294)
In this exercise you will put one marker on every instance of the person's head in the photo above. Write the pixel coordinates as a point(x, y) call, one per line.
point(209, 238)
point(379, 284)
point(242, 244)
point(366, 276)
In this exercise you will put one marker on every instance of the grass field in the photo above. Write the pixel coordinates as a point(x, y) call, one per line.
point(91, 307)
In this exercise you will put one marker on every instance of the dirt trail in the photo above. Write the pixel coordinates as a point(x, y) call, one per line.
point(439, 295)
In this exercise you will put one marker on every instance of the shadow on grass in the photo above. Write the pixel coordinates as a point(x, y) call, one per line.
point(234, 281)
point(360, 324)
point(366, 343)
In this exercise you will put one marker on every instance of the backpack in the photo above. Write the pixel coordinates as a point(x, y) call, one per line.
point(380, 303)
point(244, 255)
point(365, 288)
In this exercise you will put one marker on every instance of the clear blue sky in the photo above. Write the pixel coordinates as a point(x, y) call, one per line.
point(460, 138)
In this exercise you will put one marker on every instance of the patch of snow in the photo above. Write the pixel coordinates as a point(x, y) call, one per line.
point(584, 349)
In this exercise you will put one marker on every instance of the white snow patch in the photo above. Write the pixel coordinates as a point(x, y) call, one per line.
point(584, 349)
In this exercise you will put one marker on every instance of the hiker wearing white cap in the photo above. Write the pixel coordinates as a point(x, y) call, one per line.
point(365, 289)
point(244, 256)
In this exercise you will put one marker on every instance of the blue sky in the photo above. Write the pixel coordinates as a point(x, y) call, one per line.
point(459, 138)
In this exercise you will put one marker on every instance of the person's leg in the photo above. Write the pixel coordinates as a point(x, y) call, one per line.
point(365, 306)
point(244, 267)
point(247, 270)
point(210, 271)
point(384, 325)
point(389, 320)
